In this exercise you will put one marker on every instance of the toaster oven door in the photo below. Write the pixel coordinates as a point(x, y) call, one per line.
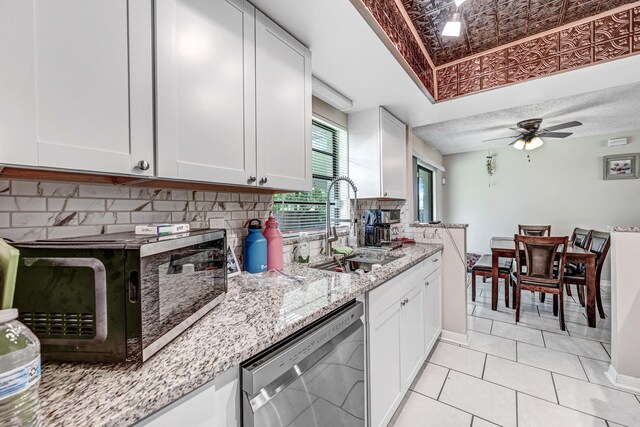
point(180, 281)
point(73, 300)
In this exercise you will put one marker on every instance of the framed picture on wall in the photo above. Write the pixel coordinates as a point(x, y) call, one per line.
point(233, 269)
point(621, 166)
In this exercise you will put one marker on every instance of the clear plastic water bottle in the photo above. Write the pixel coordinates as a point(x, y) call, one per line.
point(19, 372)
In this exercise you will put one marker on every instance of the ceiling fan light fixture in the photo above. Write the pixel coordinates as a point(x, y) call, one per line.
point(536, 142)
point(520, 144)
point(453, 26)
point(459, 2)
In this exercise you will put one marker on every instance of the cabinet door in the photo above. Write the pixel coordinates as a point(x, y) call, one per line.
point(76, 84)
point(283, 108)
point(433, 309)
point(412, 334)
point(205, 90)
point(394, 156)
point(385, 382)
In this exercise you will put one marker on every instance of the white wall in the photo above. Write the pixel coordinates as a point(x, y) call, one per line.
point(561, 186)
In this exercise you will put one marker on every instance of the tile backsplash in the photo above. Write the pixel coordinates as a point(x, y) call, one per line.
point(31, 210)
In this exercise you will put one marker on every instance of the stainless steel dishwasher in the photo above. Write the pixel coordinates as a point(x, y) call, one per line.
point(314, 379)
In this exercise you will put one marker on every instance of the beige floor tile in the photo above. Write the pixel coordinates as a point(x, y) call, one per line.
point(431, 380)
point(482, 398)
point(458, 358)
point(487, 313)
point(479, 422)
point(614, 405)
point(533, 412)
point(423, 411)
point(490, 344)
point(518, 333)
point(599, 333)
point(517, 376)
point(551, 360)
point(542, 323)
point(574, 345)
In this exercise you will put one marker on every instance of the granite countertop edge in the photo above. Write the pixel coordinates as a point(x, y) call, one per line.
point(627, 229)
point(126, 406)
point(439, 225)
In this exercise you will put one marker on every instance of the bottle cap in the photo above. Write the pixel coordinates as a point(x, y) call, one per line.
point(253, 226)
point(8, 315)
point(272, 222)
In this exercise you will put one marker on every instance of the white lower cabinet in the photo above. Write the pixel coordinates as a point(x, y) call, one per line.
point(404, 322)
point(215, 404)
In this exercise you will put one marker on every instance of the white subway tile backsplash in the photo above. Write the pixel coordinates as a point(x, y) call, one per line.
point(37, 188)
point(103, 218)
point(43, 219)
point(23, 234)
point(150, 217)
point(105, 191)
point(150, 194)
point(170, 206)
point(187, 195)
point(23, 204)
point(5, 219)
point(128, 205)
point(71, 204)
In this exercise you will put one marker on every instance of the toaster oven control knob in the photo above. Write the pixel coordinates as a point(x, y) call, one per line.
point(263, 180)
point(143, 165)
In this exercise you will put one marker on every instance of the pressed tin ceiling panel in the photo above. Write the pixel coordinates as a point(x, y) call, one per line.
point(488, 24)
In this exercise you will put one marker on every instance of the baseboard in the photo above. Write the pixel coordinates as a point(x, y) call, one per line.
point(623, 382)
point(455, 338)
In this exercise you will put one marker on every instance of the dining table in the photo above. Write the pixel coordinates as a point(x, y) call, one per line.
point(504, 247)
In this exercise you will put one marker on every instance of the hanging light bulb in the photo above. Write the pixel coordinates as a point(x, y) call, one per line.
point(519, 144)
point(453, 26)
point(536, 142)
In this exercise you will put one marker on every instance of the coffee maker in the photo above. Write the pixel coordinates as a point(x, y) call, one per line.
point(377, 226)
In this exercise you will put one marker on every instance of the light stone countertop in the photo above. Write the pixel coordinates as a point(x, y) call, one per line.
point(247, 322)
point(628, 229)
point(440, 225)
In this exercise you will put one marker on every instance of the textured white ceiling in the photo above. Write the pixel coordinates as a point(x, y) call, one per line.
point(601, 112)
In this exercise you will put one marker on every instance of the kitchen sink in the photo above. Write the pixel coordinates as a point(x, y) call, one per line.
point(360, 261)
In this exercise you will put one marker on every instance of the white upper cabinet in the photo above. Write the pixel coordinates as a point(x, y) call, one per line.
point(283, 108)
point(378, 154)
point(76, 86)
point(205, 90)
point(233, 96)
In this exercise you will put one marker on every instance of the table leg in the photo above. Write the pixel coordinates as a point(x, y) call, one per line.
point(494, 281)
point(590, 305)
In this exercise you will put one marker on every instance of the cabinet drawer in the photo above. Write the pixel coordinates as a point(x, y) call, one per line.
point(432, 263)
point(391, 292)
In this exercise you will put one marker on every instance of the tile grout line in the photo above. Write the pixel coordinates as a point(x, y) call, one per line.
point(484, 366)
point(555, 389)
point(517, 416)
point(443, 383)
point(585, 371)
point(605, 349)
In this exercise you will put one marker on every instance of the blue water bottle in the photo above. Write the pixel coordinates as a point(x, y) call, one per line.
point(255, 249)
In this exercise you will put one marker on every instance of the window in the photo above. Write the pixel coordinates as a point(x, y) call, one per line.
point(424, 193)
point(305, 211)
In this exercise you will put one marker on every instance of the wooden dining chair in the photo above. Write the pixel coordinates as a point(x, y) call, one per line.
point(534, 230)
point(599, 244)
point(581, 238)
point(541, 254)
point(483, 268)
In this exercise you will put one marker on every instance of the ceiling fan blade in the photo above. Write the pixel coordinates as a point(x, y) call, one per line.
point(563, 126)
point(520, 130)
point(504, 137)
point(555, 134)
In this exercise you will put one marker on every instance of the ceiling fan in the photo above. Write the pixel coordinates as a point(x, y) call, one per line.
point(530, 134)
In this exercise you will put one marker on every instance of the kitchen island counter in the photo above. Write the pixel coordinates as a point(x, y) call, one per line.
point(247, 322)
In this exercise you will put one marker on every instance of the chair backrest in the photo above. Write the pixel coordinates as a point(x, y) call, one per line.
point(599, 245)
point(540, 254)
point(581, 237)
point(534, 230)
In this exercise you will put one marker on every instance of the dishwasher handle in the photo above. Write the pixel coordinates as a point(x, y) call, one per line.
point(265, 370)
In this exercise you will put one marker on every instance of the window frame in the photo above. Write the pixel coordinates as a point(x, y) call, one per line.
point(417, 166)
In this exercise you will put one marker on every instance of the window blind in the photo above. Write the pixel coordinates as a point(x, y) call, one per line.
point(306, 211)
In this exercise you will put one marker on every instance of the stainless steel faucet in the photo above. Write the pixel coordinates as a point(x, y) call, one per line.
point(332, 237)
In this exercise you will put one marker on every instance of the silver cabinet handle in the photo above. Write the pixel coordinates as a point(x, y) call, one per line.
point(426, 283)
point(385, 194)
point(251, 179)
point(143, 165)
point(263, 180)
